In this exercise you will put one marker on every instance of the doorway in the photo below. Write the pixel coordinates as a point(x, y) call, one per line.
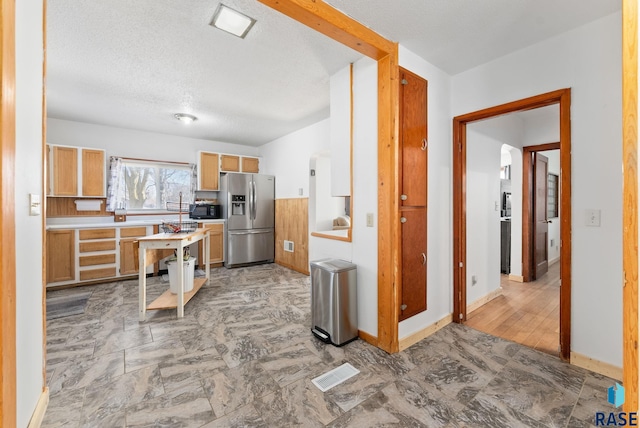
point(563, 99)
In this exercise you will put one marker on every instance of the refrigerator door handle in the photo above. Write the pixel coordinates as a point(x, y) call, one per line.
point(254, 204)
point(249, 232)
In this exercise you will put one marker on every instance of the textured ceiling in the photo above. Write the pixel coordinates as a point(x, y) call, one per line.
point(133, 64)
point(456, 35)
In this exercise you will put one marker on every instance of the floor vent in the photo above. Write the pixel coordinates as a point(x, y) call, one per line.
point(335, 377)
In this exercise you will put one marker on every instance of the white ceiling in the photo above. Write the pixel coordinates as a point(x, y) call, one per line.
point(133, 64)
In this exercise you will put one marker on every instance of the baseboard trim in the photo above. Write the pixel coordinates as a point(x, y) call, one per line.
point(288, 266)
point(603, 368)
point(516, 278)
point(484, 300)
point(416, 337)
point(41, 408)
point(370, 339)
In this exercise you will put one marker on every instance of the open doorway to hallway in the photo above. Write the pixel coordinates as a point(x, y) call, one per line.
point(497, 195)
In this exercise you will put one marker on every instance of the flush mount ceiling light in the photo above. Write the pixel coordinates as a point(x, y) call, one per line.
point(232, 21)
point(185, 118)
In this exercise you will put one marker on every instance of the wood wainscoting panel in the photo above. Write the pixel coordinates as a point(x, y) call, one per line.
point(292, 224)
point(65, 207)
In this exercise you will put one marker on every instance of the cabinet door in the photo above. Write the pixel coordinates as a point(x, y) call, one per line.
point(93, 173)
point(127, 257)
point(65, 171)
point(61, 255)
point(230, 163)
point(216, 243)
point(250, 165)
point(414, 263)
point(413, 137)
point(208, 171)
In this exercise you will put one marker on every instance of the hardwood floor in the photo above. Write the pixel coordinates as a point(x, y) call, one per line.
point(526, 313)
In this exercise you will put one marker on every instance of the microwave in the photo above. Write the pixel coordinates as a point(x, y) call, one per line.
point(205, 211)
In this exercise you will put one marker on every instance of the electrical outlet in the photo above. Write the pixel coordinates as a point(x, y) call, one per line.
point(592, 218)
point(300, 191)
point(34, 204)
point(369, 219)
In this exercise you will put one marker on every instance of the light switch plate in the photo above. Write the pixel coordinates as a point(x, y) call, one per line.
point(34, 204)
point(592, 218)
point(369, 219)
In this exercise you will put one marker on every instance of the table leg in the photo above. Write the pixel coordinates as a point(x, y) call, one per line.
point(207, 255)
point(142, 282)
point(180, 279)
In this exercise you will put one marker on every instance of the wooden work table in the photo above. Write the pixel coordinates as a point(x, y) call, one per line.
point(153, 248)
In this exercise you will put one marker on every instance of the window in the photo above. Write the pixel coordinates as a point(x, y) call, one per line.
point(552, 196)
point(138, 185)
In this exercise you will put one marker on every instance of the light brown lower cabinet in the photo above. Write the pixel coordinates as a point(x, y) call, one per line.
point(216, 243)
point(61, 255)
point(414, 262)
point(127, 257)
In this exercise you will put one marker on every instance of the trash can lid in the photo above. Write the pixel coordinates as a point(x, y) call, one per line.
point(333, 265)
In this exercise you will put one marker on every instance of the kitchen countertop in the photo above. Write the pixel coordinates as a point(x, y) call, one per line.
point(102, 222)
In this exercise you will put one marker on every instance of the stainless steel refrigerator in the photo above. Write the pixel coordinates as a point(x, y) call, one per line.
point(249, 209)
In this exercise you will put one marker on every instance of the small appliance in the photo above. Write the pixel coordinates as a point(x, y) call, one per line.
point(205, 211)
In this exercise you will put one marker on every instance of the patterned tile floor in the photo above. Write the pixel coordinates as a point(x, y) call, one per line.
point(243, 356)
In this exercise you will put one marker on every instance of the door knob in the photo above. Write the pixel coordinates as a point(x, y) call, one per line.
point(424, 259)
point(424, 144)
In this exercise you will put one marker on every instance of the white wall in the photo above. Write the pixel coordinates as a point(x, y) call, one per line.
point(587, 60)
point(327, 207)
point(439, 225)
point(288, 158)
point(483, 214)
point(137, 144)
point(29, 286)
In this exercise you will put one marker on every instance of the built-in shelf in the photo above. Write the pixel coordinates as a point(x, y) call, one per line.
point(168, 300)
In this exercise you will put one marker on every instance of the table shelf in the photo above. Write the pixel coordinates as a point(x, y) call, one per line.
point(169, 300)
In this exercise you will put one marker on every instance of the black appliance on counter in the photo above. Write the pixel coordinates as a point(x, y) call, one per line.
point(205, 211)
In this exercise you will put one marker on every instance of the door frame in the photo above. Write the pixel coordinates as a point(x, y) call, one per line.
point(562, 97)
point(527, 208)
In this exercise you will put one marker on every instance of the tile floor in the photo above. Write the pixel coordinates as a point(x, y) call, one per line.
point(243, 356)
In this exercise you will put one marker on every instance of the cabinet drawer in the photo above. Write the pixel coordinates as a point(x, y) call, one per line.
point(132, 232)
point(97, 273)
point(89, 247)
point(102, 259)
point(97, 234)
point(214, 227)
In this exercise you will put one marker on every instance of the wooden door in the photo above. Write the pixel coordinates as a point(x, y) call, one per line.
point(93, 173)
point(209, 171)
point(413, 134)
point(61, 255)
point(65, 171)
point(414, 262)
point(128, 262)
point(540, 226)
point(250, 165)
point(230, 163)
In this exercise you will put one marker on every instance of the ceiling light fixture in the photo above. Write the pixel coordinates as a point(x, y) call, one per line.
point(185, 118)
point(232, 21)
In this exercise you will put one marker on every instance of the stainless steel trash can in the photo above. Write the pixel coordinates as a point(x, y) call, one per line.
point(334, 313)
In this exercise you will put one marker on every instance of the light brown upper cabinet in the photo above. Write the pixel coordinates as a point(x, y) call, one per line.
point(250, 165)
point(64, 171)
point(230, 163)
point(208, 171)
point(413, 208)
point(93, 172)
point(66, 168)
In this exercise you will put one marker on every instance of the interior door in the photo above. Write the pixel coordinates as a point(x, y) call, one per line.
point(540, 223)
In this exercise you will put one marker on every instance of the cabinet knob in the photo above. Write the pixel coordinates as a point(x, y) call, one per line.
point(424, 144)
point(403, 219)
point(403, 307)
point(403, 197)
point(424, 259)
